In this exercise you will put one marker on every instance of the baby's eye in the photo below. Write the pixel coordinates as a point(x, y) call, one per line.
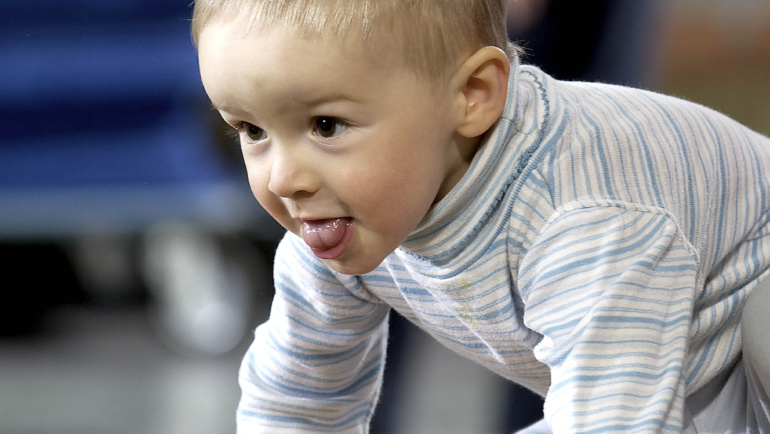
point(253, 132)
point(245, 130)
point(329, 127)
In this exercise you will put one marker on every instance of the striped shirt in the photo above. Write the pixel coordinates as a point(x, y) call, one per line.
point(598, 251)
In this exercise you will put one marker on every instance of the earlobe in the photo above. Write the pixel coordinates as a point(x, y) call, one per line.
point(483, 81)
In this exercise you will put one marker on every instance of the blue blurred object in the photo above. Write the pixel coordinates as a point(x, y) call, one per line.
point(104, 122)
point(106, 134)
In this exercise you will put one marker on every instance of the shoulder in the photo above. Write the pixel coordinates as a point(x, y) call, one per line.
point(601, 230)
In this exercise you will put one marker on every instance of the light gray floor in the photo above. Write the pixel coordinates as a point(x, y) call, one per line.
point(104, 370)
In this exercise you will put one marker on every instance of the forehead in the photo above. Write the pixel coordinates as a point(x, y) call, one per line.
point(275, 58)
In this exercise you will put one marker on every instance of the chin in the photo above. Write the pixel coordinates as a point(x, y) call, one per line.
point(352, 268)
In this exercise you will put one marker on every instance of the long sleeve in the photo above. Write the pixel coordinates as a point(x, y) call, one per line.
point(316, 364)
point(611, 290)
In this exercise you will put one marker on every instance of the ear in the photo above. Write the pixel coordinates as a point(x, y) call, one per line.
point(482, 82)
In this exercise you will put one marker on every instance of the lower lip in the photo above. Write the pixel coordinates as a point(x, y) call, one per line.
point(338, 250)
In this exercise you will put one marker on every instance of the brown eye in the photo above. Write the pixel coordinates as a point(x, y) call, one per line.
point(254, 132)
point(328, 127)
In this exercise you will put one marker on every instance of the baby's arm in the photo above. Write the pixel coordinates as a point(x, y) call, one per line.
point(611, 291)
point(316, 365)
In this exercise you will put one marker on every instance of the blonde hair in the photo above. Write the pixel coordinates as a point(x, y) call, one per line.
point(434, 34)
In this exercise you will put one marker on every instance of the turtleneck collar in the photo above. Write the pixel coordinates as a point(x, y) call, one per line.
point(455, 220)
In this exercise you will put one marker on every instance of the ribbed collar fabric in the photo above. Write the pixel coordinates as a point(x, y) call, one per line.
point(454, 220)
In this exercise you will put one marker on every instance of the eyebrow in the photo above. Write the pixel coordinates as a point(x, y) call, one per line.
point(309, 102)
point(326, 99)
point(217, 107)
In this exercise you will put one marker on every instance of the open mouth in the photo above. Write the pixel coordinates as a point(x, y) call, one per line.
point(328, 238)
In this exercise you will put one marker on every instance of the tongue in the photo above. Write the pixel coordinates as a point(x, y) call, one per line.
point(324, 234)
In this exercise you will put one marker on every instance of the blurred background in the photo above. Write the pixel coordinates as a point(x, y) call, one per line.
point(135, 263)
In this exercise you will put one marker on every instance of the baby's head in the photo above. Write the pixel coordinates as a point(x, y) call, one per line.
point(432, 35)
point(354, 116)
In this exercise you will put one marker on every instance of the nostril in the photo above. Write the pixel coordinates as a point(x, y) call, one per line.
point(291, 171)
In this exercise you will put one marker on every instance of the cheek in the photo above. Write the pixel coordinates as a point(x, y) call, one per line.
point(407, 174)
point(395, 193)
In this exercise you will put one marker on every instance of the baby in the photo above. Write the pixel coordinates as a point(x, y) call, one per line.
point(593, 243)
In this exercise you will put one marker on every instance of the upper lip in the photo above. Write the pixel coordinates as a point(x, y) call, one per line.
point(312, 219)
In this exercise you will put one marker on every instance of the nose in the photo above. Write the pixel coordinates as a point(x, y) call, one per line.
point(291, 175)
